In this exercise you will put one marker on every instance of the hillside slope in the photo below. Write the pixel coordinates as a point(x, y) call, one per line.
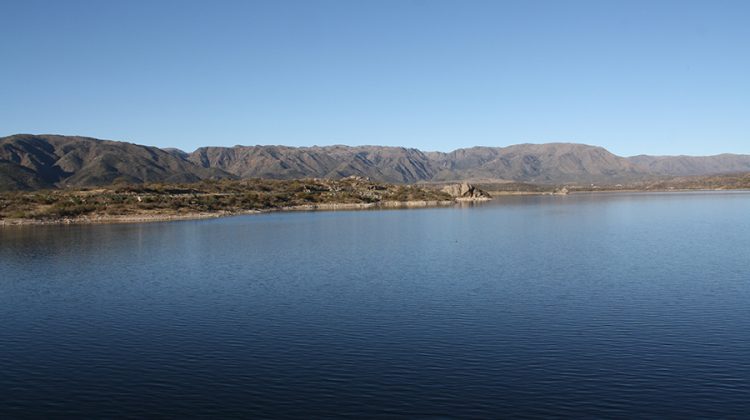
point(536, 163)
point(49, 161)
point(692, 165)
point(386, 164)
point(32, 161)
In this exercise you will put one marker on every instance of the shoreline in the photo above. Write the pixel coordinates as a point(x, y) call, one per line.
point(149, 218)
point(152, 218)
point(496, 194)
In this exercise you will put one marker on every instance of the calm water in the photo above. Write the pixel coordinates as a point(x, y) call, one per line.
point(600, 305)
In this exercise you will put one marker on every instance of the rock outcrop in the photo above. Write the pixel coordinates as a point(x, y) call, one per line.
point(466, 192)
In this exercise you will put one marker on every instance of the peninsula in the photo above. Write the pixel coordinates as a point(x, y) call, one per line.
point(214, 198)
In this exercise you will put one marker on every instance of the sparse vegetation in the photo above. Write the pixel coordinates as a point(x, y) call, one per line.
point(237, 196)
point(211, 196)
point(739, 181)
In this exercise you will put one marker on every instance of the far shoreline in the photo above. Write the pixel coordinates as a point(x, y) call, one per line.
point(323, 207)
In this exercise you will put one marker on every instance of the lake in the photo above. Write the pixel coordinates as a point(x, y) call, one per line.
point(596, 305)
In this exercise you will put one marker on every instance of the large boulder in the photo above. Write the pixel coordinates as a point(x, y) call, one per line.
point(466, 191)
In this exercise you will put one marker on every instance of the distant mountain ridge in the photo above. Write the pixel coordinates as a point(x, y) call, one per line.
point(49, 161)
point(386, 164)
point(33, 162)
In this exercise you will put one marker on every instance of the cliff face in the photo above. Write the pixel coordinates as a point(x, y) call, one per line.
point(47, 161)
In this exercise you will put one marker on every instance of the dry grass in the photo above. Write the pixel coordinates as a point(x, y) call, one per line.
point(204, 197)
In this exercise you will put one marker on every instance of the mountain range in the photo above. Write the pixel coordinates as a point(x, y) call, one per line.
point(52, 161)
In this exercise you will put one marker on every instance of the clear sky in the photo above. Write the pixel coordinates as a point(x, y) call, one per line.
point(655, 77)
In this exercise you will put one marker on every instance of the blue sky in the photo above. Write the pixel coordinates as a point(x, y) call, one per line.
point(655, 77)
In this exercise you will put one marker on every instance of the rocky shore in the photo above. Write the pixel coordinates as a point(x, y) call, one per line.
point(145, 218)
point(166, 202)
